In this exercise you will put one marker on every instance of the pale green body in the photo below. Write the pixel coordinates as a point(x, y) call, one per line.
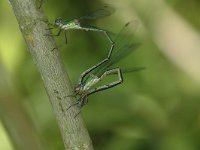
point(74, 24)
point(94, 80)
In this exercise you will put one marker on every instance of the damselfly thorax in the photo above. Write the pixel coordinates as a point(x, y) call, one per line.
point(74, 24)
point(91, 83)
point(84, 88)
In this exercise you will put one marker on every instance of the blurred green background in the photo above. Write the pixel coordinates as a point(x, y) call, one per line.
point(155, 109)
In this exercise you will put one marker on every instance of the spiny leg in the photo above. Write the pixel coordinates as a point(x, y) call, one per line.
point(74, 104)
point(115, 83)
point(83, 101)
point(97, 65)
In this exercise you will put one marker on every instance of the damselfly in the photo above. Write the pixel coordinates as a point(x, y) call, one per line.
point(124, 45)
point(78, 24)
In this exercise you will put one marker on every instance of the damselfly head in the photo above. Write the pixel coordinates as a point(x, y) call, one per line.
point(58, 21)
point(76, 21)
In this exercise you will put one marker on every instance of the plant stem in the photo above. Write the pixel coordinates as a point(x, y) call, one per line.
point(56, 81)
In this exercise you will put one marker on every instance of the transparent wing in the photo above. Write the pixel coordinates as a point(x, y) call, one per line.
point(125, 41)
point(130, 70)
point(127, 50)
point(124, 45)
point(99, 13)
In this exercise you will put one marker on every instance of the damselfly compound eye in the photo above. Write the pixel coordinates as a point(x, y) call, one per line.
point(58, 21)
point(76, 21)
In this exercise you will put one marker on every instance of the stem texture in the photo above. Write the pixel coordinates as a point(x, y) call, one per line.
point(56, 81)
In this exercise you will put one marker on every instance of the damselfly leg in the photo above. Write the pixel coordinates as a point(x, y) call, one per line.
point(83, 100)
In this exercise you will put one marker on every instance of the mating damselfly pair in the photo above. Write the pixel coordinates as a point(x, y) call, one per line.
point(121, 47)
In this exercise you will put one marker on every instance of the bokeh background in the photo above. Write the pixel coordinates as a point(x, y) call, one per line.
point(154, 109)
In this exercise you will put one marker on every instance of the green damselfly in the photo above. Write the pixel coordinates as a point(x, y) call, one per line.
point(79, 23)
point(124, 46)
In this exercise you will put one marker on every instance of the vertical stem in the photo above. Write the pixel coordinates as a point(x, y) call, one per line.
point(56, 81)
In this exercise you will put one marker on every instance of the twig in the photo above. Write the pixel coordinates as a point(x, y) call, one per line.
point(32, 25)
